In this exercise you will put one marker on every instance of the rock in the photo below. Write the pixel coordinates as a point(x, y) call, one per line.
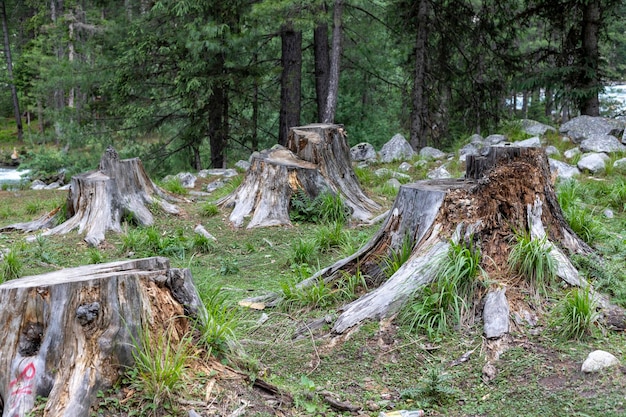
point(476, 139)
point(52, 186)
point(187, 179)
point(243, 165)
point(37, 185)
point(420, 164)
point(601, 143)
point(215, 185)
point(199, 229)
point(570, 153)
point(593, 162)
point(533, 127)
point(432, 153)
point(222, 172)
point(469, 149)
point(384, 172)
point(552, 150)
point(394, 183)
point(439, 173)
point(620, 165)
point(598, 360)
point(405, 167)
point(533, 142)
point(608, 213)
point(494, 139)
point(563, 170)
point(496, 314)
point(397, 148)
point(581, 127)
point(363, 152)
point(192, 413)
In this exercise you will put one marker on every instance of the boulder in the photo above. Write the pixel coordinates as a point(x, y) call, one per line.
point(552, 150)
point(570, 153)
point(405, 167)
point(221, 172)
point(598, 360)
point(593, 162)
point(243, 165)
point(187, 179)
point(393, 183)
point(397, 148)
point(533, 142)
point(38, 185)
point(472, 148)
point(582, 127)
point(215, 185)
point(533, 127)
point(602, 143)
point(53, 186)
point(363, 152)
point(432, 153)
point(494, 139)
point(496, 314)
point(563, 170)
point(439, 173)
point(620, 165)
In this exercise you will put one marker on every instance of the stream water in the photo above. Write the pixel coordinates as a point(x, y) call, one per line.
point(11, 175)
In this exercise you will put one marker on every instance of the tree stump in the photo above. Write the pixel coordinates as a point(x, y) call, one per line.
point(506, 191)
point(317, 158)
point(99, 200)
point(69, 333)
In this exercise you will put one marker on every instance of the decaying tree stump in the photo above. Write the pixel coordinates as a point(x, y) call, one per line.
point(69, 333)
point(99, 200)
point(506, 191)
point(317, 158)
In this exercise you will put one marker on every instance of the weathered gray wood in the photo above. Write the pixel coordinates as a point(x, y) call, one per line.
point(98, 200)
point(68, 334)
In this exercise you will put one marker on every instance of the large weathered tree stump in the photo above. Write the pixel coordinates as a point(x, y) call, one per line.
point(69, 333)
point(317, 158)
point(99, 200)
point(508, 191)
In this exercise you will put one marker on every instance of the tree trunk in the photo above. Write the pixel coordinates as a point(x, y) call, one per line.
point(488, 207)
point(99, 200)
point(322, 66)
point(69, 334)
point(290, 94)
point(217, 120)
point(9, 60)
point(590, 58)
point(419, 112)
point(335, 64)
point(318, 159)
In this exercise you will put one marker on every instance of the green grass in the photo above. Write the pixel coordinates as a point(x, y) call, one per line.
point(174, 186)
point(575, 316)
point(208, 209)
point(532, 259)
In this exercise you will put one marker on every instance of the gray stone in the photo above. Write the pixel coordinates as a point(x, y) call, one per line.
point(476, 139)
point(608, 213)
point(598, 360)
point(495, 139)
point(363, 152)
point(243, 165)
point(215, 185)
point(593, 162)
point(601, 143)
point(439, 173)
point(533, 127)
point(222, 172)
point(393, 183)
point(552, 150)
point(620, 165)
point(397, 148)
point(53, 186)
point(37, 185)
point(563, 170)
point(405, 167)
point(384, 172)
point(187, 179)
point(64, 187)
point(199, 229)
point(420, 164)
point(581, 127)
point(496, 314)
point(570, 153)
point(432, 153)
point(533, 142)
point(469, 149)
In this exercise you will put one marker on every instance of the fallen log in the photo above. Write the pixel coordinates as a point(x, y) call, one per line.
point(70, 333)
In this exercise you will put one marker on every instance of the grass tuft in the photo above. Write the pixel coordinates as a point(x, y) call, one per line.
point(575, 316)
point(532, 258)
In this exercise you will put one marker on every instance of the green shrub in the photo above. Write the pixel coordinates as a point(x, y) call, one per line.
point(434, 388)
point(327, 207)
point(575, 316)
point(532, 259)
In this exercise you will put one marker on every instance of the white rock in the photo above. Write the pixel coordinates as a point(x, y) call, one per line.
point(439, 173)
point(593, 162)
point(394, 183)
point(598, 360)
point(432, 153)
point(241, 164)
point(397, 148)
point(496, 314)
point(552, 150)
point(199, 229)
point(570, 153)
point(363, 152)
point(563, 170)
point(37, 185)
point(405, 167)
point(620, 164)
point(533, 142)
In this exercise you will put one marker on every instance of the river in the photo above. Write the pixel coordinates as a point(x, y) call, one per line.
point(11, 175)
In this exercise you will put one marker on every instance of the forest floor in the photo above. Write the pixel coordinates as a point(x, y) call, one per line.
point(380, 366)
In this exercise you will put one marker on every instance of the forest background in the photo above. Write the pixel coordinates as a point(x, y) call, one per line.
point(195, 84)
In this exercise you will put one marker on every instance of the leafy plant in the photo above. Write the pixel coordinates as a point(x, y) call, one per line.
point(575, 316)
point(303, 251)
point(435, 388)
point(532, 258)
point(331, 236)
point(228, 266)
point(327, 207)
point(95, 256)
point(209, 209)
point(174, 186)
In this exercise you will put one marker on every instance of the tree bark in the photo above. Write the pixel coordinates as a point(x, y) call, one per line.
point(218, 118)
point(290, 94)
point(322, 66)
point(590, 58)
point(335, 65)
point(99, 200)
point(9, 60)
point(69, 334)
point(419, 112)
